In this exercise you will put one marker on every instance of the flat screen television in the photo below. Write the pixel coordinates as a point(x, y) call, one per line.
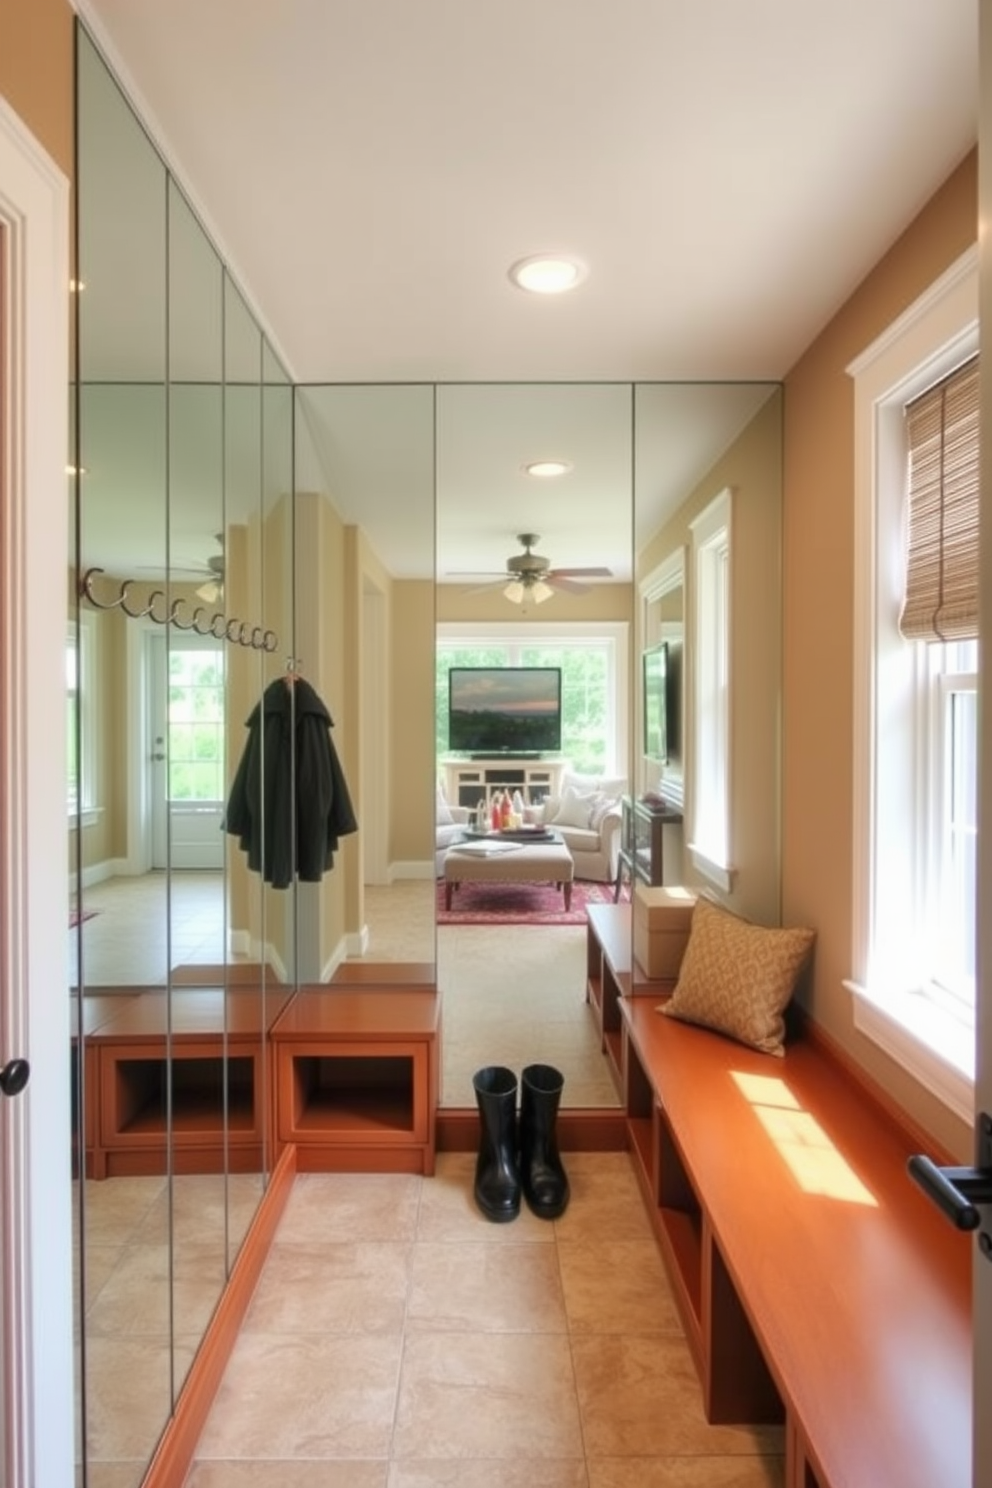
point(504, 710)
point(662, 696)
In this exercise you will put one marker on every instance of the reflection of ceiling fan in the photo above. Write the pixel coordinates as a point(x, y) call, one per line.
point(530, 577)
point(212, 591)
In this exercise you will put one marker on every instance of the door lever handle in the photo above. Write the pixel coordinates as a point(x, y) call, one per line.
point(957, 1191)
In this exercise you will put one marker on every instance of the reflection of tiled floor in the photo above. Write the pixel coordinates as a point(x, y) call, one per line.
point(139, 1291)
point(144, 924)
point(399, 1340)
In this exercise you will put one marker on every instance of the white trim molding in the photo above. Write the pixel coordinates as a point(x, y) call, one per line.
point(36, 1445)
point(935, 334)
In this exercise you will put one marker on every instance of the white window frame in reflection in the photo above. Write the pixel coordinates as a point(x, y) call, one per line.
point(710, 815)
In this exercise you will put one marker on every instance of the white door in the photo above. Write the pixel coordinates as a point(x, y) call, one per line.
point(983, 1061)
point(36, 1415)
point(186, 729)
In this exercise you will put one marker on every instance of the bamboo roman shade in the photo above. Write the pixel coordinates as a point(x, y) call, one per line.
point(941, 599)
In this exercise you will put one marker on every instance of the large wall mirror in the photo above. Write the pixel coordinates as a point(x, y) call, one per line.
point(238, 534)
point(181, 955)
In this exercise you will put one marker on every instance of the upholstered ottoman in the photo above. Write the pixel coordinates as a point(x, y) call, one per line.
point(488, 861)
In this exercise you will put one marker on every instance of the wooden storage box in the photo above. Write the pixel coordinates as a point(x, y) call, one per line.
point(662, 917)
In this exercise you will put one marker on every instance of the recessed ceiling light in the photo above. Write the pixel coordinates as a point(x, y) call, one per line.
point(547, 273)
point(548, 467)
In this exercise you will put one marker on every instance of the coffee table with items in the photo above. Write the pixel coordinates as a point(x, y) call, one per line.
point(538, 856)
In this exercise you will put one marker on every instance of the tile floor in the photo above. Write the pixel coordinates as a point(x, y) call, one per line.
point(399, 1340)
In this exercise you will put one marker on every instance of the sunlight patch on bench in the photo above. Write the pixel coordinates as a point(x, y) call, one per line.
point(804, 1146)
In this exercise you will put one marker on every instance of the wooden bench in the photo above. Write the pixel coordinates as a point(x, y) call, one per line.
point(816, 1284)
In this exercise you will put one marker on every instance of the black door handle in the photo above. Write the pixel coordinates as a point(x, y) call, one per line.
point(956, 1191)
point(14, 1076)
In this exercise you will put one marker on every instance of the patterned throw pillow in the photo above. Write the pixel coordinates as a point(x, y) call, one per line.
point(737, 977)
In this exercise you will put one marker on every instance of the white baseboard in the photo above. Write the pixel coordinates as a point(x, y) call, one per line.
point(98, 873)
point(239, 943)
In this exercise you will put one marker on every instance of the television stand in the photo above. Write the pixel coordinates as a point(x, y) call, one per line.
point(469, 781)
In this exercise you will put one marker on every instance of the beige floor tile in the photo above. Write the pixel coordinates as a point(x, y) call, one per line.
point(286, 1474)
point(112, 1474)
point(639, 1397)
point(358, 1287)
point(605, 1202)
point(487, 1395)
point(448, 1210)
point(462, 1473)
point(351, 1206)
point(616, 1286)
point(117, 1207)
point(194, 1205)
point(128, 1400)
point(306, 1396)
point(482, 1288)
point(688, 1472)
point(153, 1290)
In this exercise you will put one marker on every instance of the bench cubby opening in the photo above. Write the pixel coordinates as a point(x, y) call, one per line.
point(353, 1093)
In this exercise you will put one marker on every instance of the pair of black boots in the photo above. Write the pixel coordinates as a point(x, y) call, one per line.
point(499, 1176)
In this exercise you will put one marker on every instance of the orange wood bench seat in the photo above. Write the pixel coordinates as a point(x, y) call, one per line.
point(816, 1283)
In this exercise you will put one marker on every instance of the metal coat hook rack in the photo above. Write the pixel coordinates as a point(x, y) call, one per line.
point(181, 614)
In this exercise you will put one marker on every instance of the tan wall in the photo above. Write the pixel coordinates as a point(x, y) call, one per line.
point(752, 468)
point(36, 71)
point(818, 622)
point(413, 766)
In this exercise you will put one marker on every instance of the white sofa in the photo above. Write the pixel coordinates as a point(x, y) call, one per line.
point(449, 823)
point(587, 814)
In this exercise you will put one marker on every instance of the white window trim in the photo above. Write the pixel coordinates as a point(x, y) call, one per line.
point(933, 335)
point(668, 576)
point(712, 534)
point(615, 633)
point(89, 809)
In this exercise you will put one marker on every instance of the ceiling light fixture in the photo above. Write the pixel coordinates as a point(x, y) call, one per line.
point(518, 591)
point(544, 468)
point(547, 273)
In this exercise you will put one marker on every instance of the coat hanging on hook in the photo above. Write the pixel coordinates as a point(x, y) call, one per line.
point(289, 750)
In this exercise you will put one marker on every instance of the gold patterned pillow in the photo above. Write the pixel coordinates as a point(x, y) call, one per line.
point(737, 977)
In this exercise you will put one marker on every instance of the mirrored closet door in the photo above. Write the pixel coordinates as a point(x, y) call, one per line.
point(181, 615)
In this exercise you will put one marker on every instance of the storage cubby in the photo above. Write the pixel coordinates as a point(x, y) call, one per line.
point(214, 1055)
point(356, 1093)
point(681, 1219)
point(198, 1095)
point(357, 1076)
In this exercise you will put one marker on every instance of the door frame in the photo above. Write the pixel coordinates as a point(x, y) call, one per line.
point(35, 1159)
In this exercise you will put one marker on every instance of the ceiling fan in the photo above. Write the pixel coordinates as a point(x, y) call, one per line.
point(530, 577)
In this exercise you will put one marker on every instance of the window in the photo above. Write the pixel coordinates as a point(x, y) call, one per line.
point(916, 704)
point(709, 843)
point(196, 725)
point(593, 660)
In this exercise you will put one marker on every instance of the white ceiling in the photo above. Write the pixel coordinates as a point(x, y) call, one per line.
point(728, 170)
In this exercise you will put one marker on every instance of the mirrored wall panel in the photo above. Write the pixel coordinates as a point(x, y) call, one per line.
point(182, 952)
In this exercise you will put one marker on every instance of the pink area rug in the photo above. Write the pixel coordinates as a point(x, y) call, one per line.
point(75, 918)
point(520, 903)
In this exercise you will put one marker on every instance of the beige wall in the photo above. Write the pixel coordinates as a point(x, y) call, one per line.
point(752, 469)
point(412, 763)
point(818, 548)
point(36, 71)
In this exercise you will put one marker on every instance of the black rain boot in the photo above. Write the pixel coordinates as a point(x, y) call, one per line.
point(544, 1180)
point(497, 1177)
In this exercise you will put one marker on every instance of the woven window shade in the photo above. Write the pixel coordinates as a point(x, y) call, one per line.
point(941, 600)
